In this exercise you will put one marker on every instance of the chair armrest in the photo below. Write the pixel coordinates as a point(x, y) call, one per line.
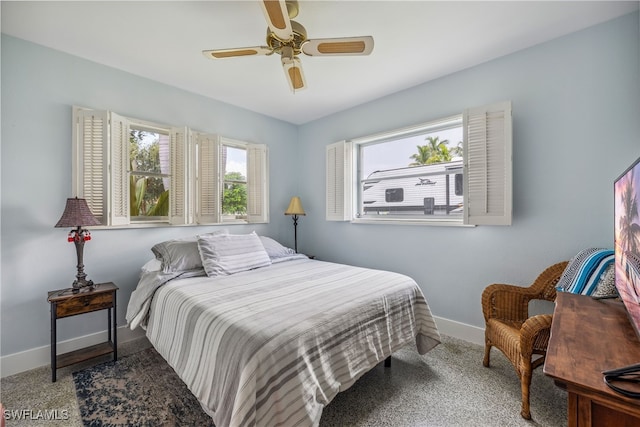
point(506, 302)
point(534, 334)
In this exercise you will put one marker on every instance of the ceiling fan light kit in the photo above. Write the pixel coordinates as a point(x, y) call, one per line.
point(288, 39)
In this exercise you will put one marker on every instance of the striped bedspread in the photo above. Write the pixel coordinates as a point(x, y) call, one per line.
point(273, 346)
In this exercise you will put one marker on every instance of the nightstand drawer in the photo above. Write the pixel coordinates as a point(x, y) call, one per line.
point(84, 304)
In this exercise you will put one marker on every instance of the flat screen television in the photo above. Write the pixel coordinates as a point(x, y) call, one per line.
point(626, 191)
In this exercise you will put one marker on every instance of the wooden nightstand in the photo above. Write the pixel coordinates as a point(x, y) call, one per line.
point(64, 303)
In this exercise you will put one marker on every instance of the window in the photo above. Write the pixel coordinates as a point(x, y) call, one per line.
point(149, 173)
point(234, 192)
point(455, 170)
point(411, 173)
point(136, 172)
point(391, 195)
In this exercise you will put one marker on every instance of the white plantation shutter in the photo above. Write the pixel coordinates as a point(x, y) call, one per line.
point(101, 171)
point(257, 183)
point(178, 152)
point(89, 163)
point(119, 171)
point(338, 181)
point(165, 158)
point(208, 184)
point(488, 165)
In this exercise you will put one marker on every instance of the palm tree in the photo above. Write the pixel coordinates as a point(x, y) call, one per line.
point(629, 227)
point(435, 151)
point(457, 150)
point(422, 157)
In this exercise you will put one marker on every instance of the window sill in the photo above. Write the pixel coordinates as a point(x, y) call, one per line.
point(400, 221)
point(161, 225)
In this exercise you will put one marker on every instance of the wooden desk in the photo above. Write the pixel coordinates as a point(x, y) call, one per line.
point(587, 337)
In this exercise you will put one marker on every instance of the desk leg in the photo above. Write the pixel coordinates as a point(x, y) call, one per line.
point(53, 343)
point(109, 324)
point(115, 328)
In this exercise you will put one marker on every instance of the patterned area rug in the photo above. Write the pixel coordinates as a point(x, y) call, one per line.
point(430, 390)
point(137, 390)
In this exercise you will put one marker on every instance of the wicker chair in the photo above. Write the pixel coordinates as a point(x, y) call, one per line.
point(521, 338)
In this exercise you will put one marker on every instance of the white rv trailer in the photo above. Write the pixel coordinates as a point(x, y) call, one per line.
point(424, 190)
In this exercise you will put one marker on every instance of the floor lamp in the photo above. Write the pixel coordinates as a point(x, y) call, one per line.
point(295, 209)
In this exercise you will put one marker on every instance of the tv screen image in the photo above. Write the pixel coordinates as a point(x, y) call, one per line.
point(627, 241)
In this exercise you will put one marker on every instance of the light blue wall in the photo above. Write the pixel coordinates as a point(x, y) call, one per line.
point(39, 86)
point(576, 127)
point(576, 106)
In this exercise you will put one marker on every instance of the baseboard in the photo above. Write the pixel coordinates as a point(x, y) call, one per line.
point(41, 356)
point(460, 330)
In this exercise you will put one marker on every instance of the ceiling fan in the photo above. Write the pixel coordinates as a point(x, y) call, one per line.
point(288, 39)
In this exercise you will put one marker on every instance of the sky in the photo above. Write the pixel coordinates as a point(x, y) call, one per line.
point(397, 154)
point(236, 161)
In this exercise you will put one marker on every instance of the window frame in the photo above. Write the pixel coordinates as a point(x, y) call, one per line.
point(101, 171)
point(487, 159)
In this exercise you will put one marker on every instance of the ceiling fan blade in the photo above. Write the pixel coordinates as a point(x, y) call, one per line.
point(239, 51)
point(339, 46)
point(293, 70)
point(277, 15)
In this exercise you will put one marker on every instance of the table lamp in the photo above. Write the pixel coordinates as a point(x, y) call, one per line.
point(77, 214)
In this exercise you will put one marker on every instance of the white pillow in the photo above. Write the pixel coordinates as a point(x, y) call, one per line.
point(224, 254)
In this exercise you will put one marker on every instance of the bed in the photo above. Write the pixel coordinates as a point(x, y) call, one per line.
point(273, 344)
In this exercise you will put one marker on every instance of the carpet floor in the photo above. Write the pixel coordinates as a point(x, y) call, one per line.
point(446, 387)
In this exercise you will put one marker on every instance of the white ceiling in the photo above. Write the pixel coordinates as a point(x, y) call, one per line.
point(415, 41)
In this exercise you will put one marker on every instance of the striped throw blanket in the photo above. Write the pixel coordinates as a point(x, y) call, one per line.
point(583, 272)
point(274, 345)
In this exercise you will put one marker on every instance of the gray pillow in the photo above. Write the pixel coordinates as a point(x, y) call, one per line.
point(152, 265)
point(180, 254)
point(275, 249)
point(224, 254)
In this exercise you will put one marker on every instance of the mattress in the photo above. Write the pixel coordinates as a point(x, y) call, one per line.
point(273, 346)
